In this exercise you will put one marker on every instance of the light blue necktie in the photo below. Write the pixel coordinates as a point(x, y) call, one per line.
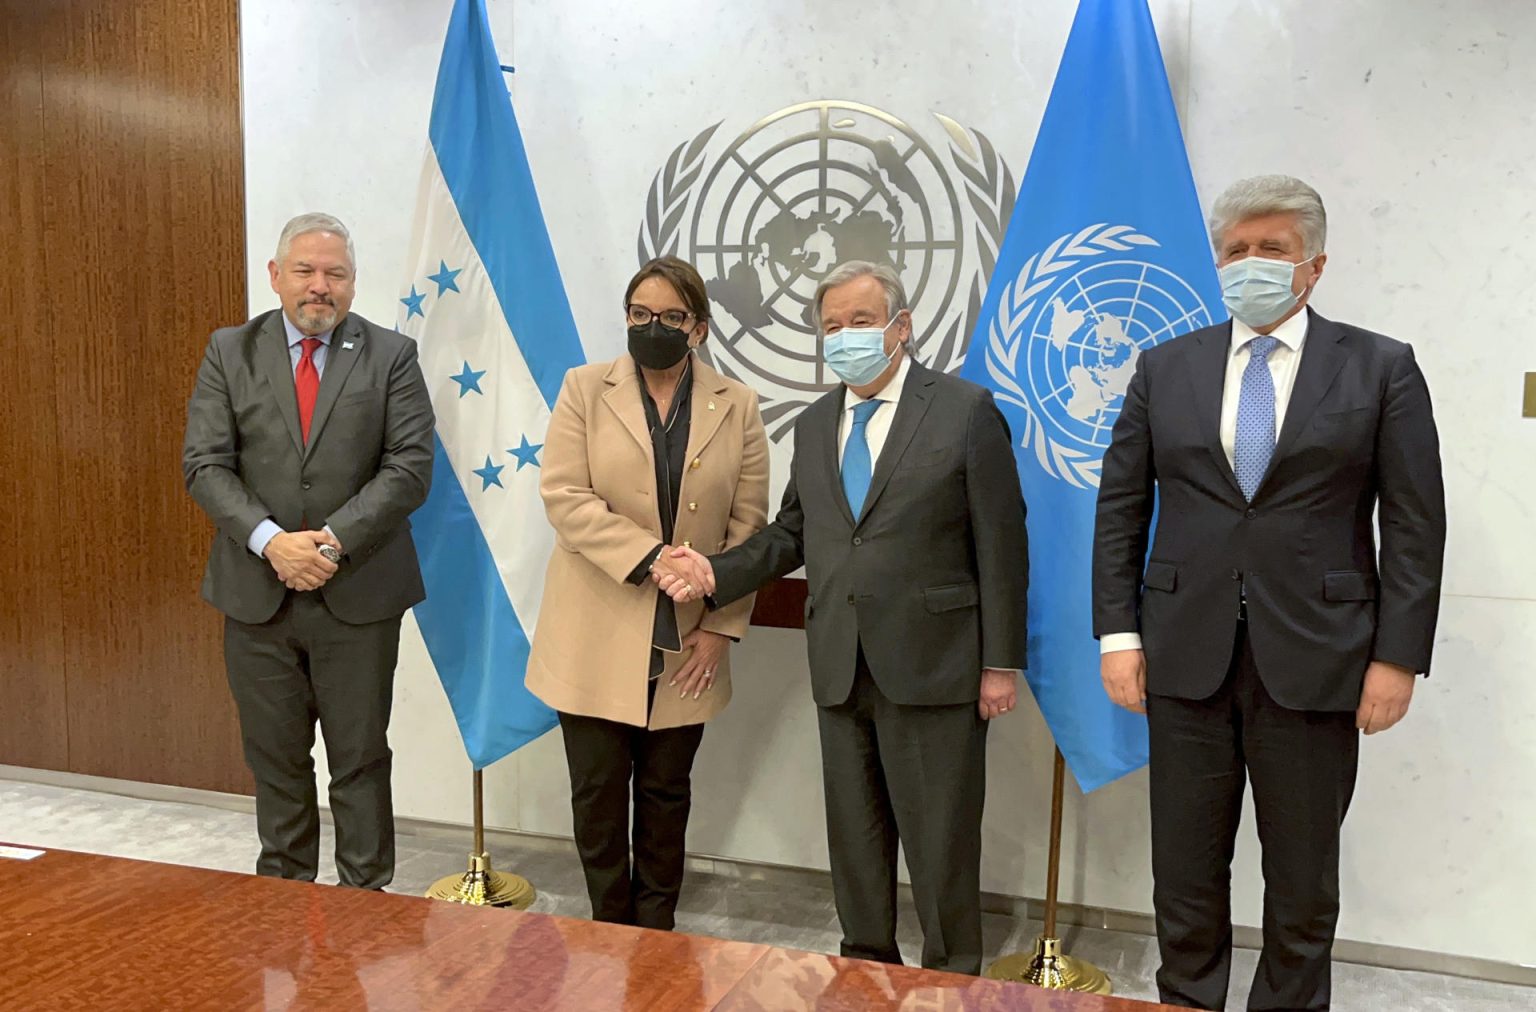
point(1255, 442)
point(858, 469)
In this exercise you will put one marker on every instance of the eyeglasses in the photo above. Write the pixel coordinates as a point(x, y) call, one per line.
point(641, 316)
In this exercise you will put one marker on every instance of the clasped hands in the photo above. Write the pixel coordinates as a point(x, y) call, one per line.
point(683, 574)
point(296, 558)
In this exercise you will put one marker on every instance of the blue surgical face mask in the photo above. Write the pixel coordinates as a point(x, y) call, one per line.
point(1257, 290)
point(857, 354)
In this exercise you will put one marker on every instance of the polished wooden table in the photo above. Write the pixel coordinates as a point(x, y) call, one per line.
point(79, 931)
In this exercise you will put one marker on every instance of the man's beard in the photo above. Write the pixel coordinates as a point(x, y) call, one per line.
point(317, 315)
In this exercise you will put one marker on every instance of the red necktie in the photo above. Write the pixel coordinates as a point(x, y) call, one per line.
point(306, 382)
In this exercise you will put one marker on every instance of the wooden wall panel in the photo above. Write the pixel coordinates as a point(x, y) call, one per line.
point(142, 250)
point(32, 704)
point(781, 605)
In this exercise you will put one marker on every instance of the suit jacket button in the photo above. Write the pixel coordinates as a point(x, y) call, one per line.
point(1251, 514)
point(687, 544)
point(850, 598)
point(858, 541)
point(305, 486)
point(695, 464)
point(693, 507)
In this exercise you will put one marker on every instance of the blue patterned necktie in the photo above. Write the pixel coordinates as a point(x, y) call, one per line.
point(858, 469)
point(1255, 442)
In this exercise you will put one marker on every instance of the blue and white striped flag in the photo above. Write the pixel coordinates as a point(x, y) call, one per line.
point(1106, 256)
point(484, 300)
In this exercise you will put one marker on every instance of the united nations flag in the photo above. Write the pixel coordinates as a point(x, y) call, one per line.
point(1106, 256)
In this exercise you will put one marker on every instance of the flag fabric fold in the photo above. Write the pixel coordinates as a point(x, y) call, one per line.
point(1106, 255)
point(484, 300)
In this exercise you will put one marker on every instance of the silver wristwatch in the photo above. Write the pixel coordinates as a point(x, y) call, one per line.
point(330, 554)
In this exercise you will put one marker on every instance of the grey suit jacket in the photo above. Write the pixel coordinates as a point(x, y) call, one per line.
point(367, 466)
point(932, 578)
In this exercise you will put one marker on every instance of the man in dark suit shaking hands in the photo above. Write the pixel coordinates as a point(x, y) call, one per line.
point(309, 443)
point(903, 504)
point(1265, 630)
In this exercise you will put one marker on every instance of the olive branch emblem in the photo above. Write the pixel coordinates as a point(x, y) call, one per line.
point(1018, 302)
point(989, 189)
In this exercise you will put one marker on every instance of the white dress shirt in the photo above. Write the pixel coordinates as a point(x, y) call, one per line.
point(879, 425)
point(1283, 363)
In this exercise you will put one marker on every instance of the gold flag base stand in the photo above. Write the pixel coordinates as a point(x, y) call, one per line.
point(1048, 966)
point(481, 885)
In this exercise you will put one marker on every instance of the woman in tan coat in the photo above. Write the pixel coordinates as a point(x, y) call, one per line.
point(653, 449)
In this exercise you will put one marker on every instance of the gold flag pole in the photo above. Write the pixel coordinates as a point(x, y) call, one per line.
point(1049, 967)
point(480, 886)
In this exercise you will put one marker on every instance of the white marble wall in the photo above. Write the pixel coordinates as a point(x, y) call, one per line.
point(1413, 118)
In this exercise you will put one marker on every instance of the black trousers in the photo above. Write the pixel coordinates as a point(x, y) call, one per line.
point(299, 666)
point(917, 774)
point(1302, 764)
point(605, 757)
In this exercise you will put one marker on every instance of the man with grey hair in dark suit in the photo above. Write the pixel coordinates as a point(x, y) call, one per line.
point(1265, 629)
point(309, 444)
point(903, 504)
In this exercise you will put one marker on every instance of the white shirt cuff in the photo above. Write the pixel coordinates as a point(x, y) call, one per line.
point(1114, 642)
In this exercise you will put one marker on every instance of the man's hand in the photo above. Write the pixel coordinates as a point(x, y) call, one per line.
point(697, 674)
point(999, 692)
point(297, 560)
point(1385, 696)
point(1125, 678)
point(683, 574)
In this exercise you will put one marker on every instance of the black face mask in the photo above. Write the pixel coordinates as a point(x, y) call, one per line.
point(657, 346)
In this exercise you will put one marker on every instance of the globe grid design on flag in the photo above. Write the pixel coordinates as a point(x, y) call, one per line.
point(810, 186)
point(1069, 329)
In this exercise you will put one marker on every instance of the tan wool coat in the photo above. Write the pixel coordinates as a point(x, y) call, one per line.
point(592, 645)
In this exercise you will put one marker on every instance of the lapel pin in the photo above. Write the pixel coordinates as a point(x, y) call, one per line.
point(711, 405)
point(346, 346)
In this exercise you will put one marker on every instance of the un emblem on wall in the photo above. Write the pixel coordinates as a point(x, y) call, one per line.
point(804, 189)
point(1068, 329)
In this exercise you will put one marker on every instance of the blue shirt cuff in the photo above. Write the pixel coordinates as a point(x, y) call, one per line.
point(264, 533)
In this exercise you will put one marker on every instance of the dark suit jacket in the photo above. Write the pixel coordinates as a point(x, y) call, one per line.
point(933, 578)
point(367, 466)
point(1359, 438)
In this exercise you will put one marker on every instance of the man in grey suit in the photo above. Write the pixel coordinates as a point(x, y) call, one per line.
point(903, 504)
point(309, 443)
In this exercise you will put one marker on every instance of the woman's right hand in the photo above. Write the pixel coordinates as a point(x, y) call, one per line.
point(683, 574)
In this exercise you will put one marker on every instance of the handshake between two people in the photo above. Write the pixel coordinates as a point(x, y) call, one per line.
point(296, 558)
point(683, 574)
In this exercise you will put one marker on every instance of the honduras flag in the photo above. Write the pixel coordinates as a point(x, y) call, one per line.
point(1106, 255)
point(484, 300)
